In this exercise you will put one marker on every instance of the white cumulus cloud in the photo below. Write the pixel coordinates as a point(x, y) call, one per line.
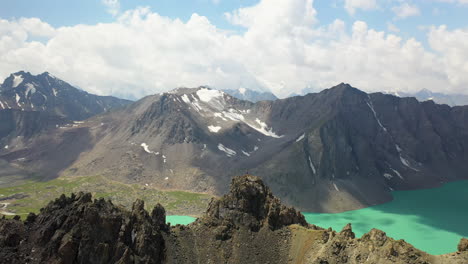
point(113, 6)
point(463, 2)
point(352, 5)
point(283, 49)
point(406, 10)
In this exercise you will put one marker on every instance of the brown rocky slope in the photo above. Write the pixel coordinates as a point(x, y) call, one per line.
point(248, 225)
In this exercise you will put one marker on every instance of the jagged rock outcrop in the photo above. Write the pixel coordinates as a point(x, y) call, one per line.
point(77, 229)
point(463, 245)
point(250, 203)
point(248, 225)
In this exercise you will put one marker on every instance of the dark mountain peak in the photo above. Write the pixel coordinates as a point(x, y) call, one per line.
point(344, 95)
point(23, 80)
point(344, 87)
point(45, 92)
point(22, 73)
point(251, 203)
point(15, 80)
point(46, 73)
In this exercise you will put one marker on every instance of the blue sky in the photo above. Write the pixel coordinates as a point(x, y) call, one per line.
point(68, 13)
point(278, 45)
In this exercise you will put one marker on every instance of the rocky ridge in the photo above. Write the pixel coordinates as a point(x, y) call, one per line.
point(24, 91)
point(248, 225)
point(342, 148)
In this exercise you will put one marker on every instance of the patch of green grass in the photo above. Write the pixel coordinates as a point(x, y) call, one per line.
point(38, 194)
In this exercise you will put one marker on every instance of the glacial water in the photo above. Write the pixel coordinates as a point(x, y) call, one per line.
point(179, 219)
point(433, 220)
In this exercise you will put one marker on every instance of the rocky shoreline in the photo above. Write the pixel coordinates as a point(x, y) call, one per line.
point(247, 225)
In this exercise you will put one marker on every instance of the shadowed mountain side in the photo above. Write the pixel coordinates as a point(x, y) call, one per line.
point(248, 225)
point(51, 153)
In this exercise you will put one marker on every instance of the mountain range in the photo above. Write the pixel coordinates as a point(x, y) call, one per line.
point(336, 150)
point(440, 98)
point(251, 95)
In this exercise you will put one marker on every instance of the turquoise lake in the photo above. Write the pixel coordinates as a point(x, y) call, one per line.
point(179, 219)
point(433, 220)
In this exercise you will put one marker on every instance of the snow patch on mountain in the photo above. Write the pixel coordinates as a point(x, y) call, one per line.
point(17, 80)
point(30, 89)
point(264, 129)
point(214, 129)
point(371, 106)
point(229, 152)
point(242, 90)
point(300, 138)
point(206, 95)
point(403, 160)
point(397, 173)
point(220, 115)
point(213, 99)
point(147, 150)
point(388, 175)
point(231, 114)
point(18, 98)
point(336, 187)
point(186, 99)
point(312, 166)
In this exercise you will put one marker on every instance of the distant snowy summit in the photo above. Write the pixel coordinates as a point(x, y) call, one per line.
point(251, 95)
point(440, 98)
point(47, 93)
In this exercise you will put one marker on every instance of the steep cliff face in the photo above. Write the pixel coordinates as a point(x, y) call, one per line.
point(248, 225)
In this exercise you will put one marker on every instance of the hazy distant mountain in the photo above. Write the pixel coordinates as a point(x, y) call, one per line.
point(44, 92)
point(440, 98)
point(250, 95)
point(336, 150)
